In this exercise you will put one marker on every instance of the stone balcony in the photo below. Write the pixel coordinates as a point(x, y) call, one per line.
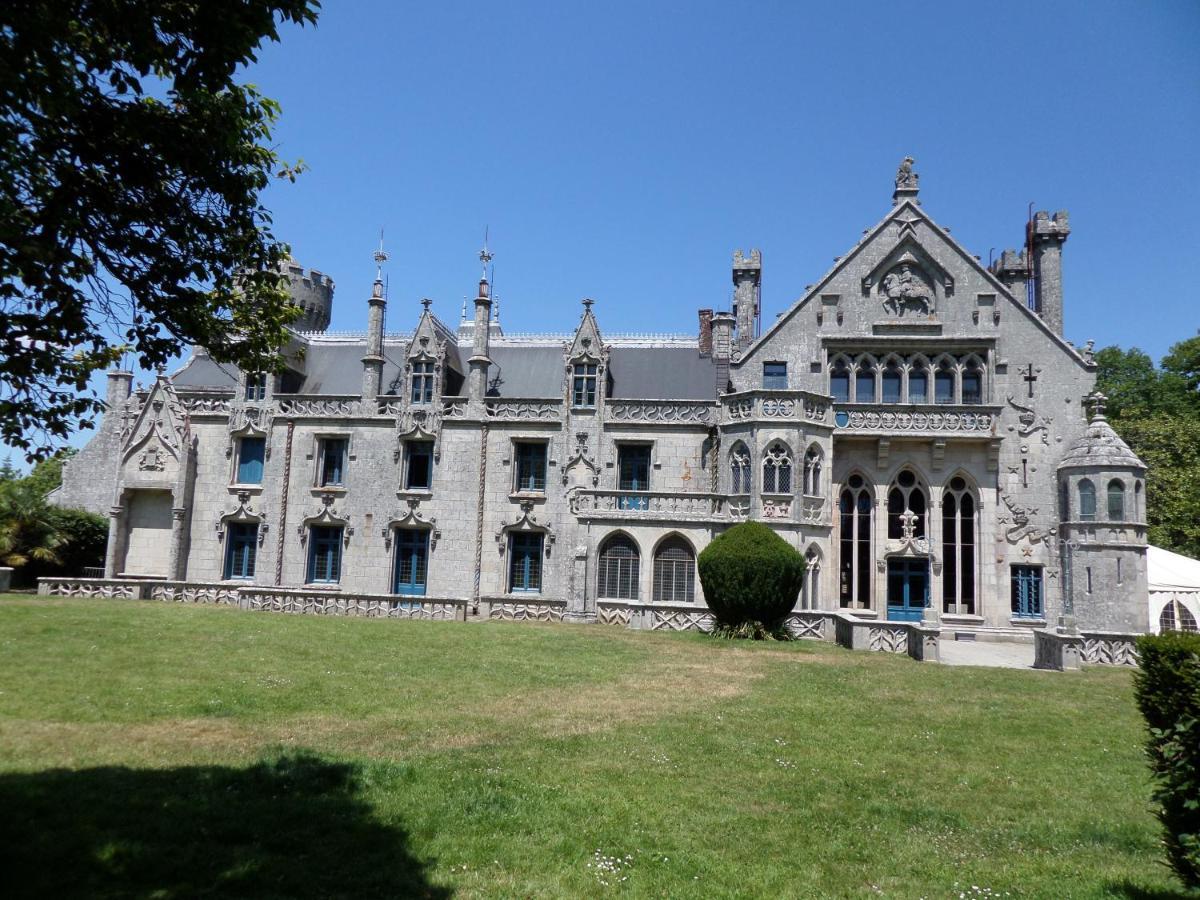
point(923, 420)
point(775, 406)
point(681, 506)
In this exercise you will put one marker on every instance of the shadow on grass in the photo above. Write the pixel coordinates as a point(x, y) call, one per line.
point(293, 826)
point(1136, 892)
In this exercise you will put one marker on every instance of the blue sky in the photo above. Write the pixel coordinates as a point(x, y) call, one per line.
point(623, 150)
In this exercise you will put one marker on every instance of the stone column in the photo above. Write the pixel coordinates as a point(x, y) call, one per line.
point(113, 553)
point(581, 606)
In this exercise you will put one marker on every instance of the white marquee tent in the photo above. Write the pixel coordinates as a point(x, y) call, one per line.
point(1174, 590)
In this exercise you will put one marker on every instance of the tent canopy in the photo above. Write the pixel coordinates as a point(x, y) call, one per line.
point(1169, 571)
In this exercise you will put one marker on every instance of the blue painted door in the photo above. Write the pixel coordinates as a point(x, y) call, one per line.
point(907, 589)
point(412, 562)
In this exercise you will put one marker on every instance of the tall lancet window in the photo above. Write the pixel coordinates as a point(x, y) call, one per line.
point(739, 469)
point(777, 470)
point(855, 561)
point(906, 508)
point(422, 382)
point(812, 472)
point(959, 511)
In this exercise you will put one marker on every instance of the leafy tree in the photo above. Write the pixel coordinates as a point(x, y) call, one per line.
point(29, 531)
point(1170, 447)
point(1128, 379)
point(1182, 364)
point(131, 163)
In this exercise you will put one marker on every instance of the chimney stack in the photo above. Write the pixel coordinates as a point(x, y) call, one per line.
point(120, 384)
point(722, 347)
point(1047, 237)
point(706, 338)
point(1012, 268)
point(747, 281)
point(479, 361)
point(373, 360)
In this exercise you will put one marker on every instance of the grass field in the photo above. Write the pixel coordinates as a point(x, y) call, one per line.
point(173, 751)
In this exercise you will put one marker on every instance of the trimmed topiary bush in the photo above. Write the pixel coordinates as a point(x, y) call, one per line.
point(1167, 687)
point(751, 578)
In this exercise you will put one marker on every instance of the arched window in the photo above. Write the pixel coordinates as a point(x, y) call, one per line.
point(959, 510)
point(1116, 500)
point(891, 382)
point(812, 472)
point(918, 381)
point(1176, 617)
point(839, 382)
point(1139, 515)
point(810, 593)
point(864, 383)
point(674, 572)
point(777, 470)
point(906, 508)
point(739, 469)
point(855, 561)
point(620, 568)
point(943, 382)
point(972, 382)
point(1087, 501)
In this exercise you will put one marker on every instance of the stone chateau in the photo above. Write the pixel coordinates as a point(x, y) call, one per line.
point(915, 425)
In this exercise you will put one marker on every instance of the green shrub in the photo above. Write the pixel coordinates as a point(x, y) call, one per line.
point(751, 578)
point(1168, 693)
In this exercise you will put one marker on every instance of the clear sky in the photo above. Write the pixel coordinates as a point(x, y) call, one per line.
point(623, 150)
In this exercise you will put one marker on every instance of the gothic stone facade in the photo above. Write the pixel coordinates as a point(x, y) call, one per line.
point(915, 425)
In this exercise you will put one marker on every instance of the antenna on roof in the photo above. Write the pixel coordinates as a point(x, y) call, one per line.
point(380, 258)
point(485, 255)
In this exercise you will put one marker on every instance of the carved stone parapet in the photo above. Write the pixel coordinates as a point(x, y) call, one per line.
point(317, 406)
point(524, 410)
point(667, 412)
point(968, 421)
point(694, 506)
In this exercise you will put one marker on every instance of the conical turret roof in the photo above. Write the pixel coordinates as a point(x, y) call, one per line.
point(1100, 446)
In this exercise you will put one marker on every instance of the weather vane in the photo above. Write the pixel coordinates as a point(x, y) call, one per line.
point(485, 255)
point(380, 258)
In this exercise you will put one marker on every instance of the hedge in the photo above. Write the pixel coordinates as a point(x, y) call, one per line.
point(1167, 687)
point(751, 577)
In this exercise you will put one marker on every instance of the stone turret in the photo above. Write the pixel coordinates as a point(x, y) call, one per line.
point(312, 292)
point(1047, 236)
point(747, 282)
point(480, 362)
point(373, 360)
point(1012, 268)
point(1102, 510)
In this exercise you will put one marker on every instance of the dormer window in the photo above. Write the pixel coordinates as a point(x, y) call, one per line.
point(583, 385)
point(422, 382)
point(256, 386)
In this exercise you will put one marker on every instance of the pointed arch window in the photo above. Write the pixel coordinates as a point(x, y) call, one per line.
point(810, 594)
point(1087, 501)
point(739, 469)
point(1177, 617)
point(943, 382)
point(906, 508)
point(959, 530)
point(812, 472)
point(972, 382)
point(892, 382)
point(855, 562)
point(864, 383)
point(839, 382)
point(620, 569)
point(777, 470)
point(1116, 500)
point(674, 572)
point(918, 384)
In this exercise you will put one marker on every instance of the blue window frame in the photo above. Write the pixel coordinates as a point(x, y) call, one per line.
point(633, 472)
point(531, 466)
point(418, 465)
point(325, 554)
point(333, 461)
point(583, 387)
point(412, 562)
point(241, 545)
point(251, 452)
point(256, 386)
point(422, 382)
point(775, 375)
point(1027, 593)
point(525, 563)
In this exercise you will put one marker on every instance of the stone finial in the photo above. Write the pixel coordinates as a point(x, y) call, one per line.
point(907, 182)
point(1096, 402)
point(426, 303)
point(587, 304)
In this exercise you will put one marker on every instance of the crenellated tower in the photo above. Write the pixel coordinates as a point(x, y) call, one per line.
point(312, 291)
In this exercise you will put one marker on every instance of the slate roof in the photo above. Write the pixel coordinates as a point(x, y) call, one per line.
point(1100, 446)
point(518, 370)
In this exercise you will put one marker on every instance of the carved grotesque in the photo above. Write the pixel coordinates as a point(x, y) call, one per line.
point(905, 176)
point(905, 289)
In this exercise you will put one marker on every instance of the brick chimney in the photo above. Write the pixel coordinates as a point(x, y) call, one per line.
point(706, 340)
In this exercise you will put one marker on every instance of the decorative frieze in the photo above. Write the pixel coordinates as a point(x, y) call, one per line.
point(918, 420)
point(524, 410)
point(320, 407)
point(776, 405)
point(667, 412)
point(888, 638)
point(526, 610)
point(681, 620)
point(680, 505)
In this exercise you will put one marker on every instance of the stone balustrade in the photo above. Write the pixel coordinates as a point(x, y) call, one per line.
point(892, 419)
point(775, 405)
point(662, 412)
point(317, 405)
point(206, 404)
point(521, 609)
point(687, 506)
point(1064, 651)
point(454, 408)
point(518, 410)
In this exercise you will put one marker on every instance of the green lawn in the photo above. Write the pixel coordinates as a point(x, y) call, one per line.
point(173, 751)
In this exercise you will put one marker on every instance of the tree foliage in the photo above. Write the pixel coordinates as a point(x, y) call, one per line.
point(1157, 412)
point(751, 578)
point(131, 163)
